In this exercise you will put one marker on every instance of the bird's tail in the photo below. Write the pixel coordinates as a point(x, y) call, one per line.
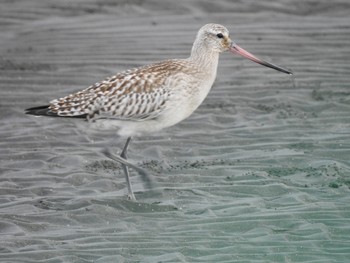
point(41, 111)
point(45, 111)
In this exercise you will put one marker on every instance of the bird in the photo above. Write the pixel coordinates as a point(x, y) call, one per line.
point(149, 98)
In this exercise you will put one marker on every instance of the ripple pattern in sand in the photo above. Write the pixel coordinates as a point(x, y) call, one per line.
point(260, 172)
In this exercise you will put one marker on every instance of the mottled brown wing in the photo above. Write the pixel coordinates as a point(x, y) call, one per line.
point(137, 94)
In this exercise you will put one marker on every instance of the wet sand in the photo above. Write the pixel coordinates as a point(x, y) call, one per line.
point(259, 173)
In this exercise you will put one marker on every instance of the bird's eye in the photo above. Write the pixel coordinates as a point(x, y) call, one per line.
point(220, 35)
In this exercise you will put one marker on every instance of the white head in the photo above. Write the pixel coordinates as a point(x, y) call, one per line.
point(215, 38)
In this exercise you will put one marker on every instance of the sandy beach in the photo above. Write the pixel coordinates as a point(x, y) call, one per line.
point(259, 173)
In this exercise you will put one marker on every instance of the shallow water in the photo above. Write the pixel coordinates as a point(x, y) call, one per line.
point(259, 173)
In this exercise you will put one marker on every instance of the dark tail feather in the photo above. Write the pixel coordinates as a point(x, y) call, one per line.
point(41, 111)
point(45, 111)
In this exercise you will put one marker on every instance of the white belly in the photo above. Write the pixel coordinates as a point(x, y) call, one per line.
point(186, 94)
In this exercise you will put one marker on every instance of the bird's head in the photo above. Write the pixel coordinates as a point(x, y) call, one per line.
point(216, 38)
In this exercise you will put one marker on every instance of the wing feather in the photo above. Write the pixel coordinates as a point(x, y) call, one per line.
point(137, 94)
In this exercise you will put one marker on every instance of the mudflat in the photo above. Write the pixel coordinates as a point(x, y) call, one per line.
point(259, 173)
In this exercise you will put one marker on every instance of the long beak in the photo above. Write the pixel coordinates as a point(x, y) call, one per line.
point(234, 48)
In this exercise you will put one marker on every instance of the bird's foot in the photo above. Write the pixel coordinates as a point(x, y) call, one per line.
point(148, 180)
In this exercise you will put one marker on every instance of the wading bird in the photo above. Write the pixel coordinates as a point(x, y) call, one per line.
point(153, 97)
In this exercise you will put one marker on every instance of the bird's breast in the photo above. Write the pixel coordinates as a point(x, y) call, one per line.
point(186, 96)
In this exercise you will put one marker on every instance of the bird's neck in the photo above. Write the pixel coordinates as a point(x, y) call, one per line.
point(205, 58)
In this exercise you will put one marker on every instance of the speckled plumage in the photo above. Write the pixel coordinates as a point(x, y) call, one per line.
point(137, 94)
point(151, 97)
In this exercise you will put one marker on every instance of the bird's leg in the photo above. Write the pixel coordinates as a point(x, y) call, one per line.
point(126, 170)
point(125, 164)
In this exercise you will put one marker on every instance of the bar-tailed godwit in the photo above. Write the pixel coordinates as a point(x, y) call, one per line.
point(153, 97)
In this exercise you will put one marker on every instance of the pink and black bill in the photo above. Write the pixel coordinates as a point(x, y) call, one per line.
point(240, 51)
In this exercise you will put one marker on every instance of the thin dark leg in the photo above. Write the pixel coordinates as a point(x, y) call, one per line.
point(147, 179)
point(126, 170)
